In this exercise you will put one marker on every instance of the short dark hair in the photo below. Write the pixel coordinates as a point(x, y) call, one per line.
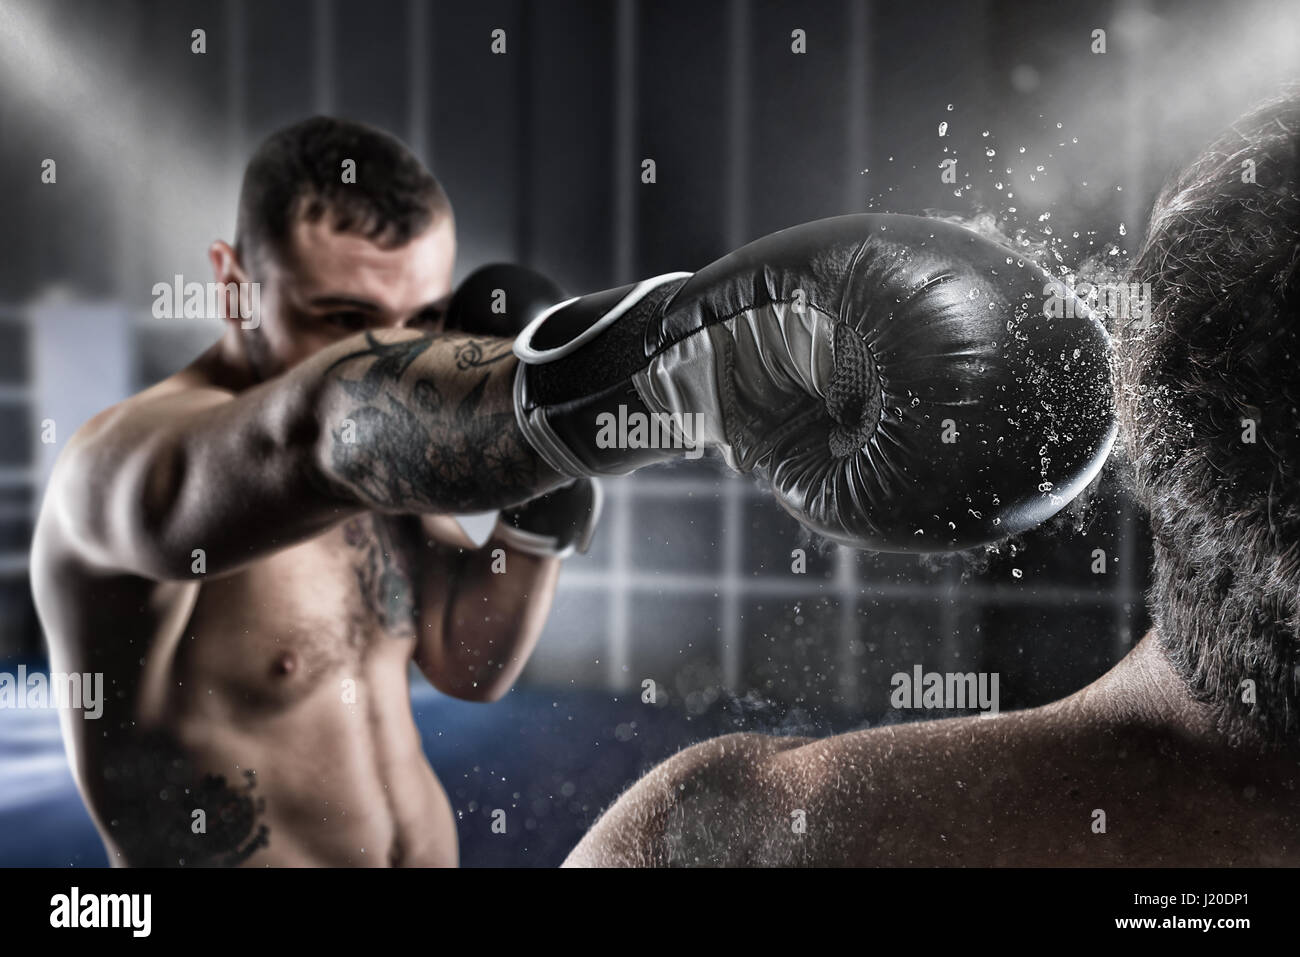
point(298, 172)
point(1220, 357)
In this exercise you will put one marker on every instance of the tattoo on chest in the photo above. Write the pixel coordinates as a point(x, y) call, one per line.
point(427, 444)
point(384, 556)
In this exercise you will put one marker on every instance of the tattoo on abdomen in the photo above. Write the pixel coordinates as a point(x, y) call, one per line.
point(420, 447)
point(163, 812)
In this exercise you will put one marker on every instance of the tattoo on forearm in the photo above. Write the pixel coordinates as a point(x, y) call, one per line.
point(392, 359)
point(471, 355)
point(430, 445)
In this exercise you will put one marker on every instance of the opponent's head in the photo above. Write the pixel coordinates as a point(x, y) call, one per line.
point(1209, 405)
point(344, 230)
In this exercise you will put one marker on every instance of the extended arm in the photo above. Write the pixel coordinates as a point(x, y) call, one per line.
point(388, 421)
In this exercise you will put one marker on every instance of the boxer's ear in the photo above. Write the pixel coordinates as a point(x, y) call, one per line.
point(225, 263)
point(242, 302)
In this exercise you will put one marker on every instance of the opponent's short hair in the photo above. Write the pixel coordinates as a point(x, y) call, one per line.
point(1209, 408)
point(297, 172)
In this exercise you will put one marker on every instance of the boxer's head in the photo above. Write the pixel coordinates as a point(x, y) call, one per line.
point(344, 230)
point(1209, 406)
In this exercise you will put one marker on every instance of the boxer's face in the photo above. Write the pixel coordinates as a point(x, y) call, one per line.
point(329, 285)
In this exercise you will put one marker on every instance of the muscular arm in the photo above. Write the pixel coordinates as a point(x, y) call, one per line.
point(479, 623)
point(425, 424)
point(387, 421)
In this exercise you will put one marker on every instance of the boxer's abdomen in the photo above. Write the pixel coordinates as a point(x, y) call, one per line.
point(287, 704)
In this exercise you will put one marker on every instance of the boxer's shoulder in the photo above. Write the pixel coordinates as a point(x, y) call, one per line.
point(178, 395)
point(101, 446)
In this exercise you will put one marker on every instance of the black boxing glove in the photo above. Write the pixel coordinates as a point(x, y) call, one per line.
point(556, 524)
point(893, 377)
point(500, 299)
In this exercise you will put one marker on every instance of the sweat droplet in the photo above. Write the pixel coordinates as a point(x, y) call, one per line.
point(943, 129)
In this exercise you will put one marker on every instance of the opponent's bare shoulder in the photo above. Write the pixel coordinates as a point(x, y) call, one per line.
point(682, 811)
point(889, 795)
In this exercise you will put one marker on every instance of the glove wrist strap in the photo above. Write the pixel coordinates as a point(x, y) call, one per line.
point(532, 543)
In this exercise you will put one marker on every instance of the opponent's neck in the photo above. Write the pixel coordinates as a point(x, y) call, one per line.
point(1144, 688)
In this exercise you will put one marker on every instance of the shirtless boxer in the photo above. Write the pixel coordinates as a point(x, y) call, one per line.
point(250, 551)
point(1190, 744)
point(235, 547)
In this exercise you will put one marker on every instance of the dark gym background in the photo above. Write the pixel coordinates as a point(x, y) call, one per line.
point(690, 583)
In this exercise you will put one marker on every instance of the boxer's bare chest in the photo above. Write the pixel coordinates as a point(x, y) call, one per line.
point(346, 601)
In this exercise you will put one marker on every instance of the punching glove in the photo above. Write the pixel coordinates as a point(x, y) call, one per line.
point(500, 300)
point(894, 378)
point(556, 524)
